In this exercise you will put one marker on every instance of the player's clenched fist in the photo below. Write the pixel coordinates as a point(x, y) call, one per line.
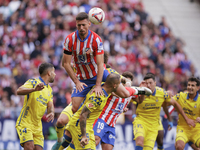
point(39, 87)
point(84, 141)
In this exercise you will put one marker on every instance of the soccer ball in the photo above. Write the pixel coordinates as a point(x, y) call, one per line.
point(96, 15)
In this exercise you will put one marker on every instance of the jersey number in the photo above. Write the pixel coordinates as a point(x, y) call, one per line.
point(24, 131)
point(100, 125)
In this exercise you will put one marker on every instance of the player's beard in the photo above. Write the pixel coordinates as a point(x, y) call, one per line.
point(51, 80)
point(82, 33)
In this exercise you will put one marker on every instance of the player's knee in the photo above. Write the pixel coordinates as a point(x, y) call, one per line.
point(61, 122)
point(140, 141)
point(179, 146)
point(97, 140)
point(29, 146)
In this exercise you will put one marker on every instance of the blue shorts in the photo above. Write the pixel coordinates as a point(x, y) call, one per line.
point(90, 83)
point(105, 132)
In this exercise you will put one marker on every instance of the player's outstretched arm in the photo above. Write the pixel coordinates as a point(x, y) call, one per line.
point(170, 123)
point(24, 90)
point(66, 63)
point(50, 112)
point(189, 121)
point(83, 117)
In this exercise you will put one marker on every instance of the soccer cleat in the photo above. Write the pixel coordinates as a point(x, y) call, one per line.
point(56, 145)
point(142, 90)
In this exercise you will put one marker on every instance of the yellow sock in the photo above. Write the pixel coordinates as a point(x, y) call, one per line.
point(61, 148)
point(60, 131)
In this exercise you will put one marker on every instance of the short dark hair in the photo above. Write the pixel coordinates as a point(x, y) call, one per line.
point(149, 76)
point(112, 79)
point(82, 16)
point(195, 80)
point(128, 74)
point(44, 67)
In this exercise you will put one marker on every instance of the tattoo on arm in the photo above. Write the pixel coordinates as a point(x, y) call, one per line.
point(83, 117)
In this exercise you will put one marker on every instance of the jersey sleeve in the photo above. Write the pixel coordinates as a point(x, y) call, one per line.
point(134, 102)
point(110, 70)
point(93, 103)
point(166, 96)
point(67, 45)
point(99, 46)
point(176, 97)
point(31, 83)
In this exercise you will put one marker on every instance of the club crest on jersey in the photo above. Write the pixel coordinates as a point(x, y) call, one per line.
point(88, 50)
point(90, 105)
point(195, 106)
point(156, 100)
point(98, 130)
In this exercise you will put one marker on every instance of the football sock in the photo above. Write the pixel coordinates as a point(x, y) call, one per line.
point(60, 131)
point(138, 148)
point(131, 91)
point(66, 141)
point(160, 148)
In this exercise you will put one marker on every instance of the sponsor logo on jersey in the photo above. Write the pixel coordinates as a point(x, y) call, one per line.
point(98, 130)
point(88, 50)
point(90, 105)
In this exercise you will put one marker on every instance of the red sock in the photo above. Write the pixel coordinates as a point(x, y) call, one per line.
point(131, 90)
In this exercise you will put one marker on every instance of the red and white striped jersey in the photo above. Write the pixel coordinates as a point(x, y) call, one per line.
point(84, 53)
point(113, 108)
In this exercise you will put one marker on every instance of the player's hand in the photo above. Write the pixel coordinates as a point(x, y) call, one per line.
point(198, 120)
point(170, 125)
point(39, 87)
point(84, 141)
point(80, 86)
point(98, 90)
point(125, 109)
point(143, 84)
point(191, 122)
point(50, 117)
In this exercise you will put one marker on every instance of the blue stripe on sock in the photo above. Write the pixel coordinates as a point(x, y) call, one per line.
point(138, 148)
point(160, 147)
point(67, 138)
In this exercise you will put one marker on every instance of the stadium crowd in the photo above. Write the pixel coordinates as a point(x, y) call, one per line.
point(32, 32)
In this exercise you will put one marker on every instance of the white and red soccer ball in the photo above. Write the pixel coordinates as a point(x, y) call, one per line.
point(96, 15)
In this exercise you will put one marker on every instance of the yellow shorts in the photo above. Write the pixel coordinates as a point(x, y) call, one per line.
point(76, 137)
point(160, 127)
point(27, 134)
point(68, 111)
point(187, 134)
point(149, 133)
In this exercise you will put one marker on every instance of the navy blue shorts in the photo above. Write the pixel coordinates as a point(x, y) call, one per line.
point(90, 83)
point(105, 132)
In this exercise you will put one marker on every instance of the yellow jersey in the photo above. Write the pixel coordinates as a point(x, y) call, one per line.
point(94, 104)
point(191, 107)
point(149, 110)
point(35, 104)
point(110, 70)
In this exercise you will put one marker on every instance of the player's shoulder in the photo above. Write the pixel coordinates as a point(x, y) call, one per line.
point(160, 90)
point(69, 36)
point(32, 80)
